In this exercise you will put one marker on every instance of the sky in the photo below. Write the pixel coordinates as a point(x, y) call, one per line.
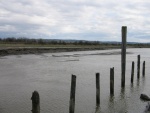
point(96, 20)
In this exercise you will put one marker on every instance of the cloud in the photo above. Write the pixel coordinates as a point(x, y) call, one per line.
point(75, 19)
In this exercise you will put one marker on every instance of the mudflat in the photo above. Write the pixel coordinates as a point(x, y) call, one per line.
point(38, 50)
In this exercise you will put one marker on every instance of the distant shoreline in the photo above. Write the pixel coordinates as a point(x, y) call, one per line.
point(39, 50)
point(19, 46)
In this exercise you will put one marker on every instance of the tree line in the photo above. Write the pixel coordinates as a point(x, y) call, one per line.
point(22, 40)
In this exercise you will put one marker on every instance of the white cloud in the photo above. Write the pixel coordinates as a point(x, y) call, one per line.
point(80, 19)
point(7, 28)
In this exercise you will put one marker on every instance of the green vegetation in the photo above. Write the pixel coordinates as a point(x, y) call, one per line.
point(25, 42)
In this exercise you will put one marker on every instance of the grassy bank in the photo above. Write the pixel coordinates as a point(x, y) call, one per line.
point(15, 45)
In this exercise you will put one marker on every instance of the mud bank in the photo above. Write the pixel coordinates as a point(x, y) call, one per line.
point(19, 51)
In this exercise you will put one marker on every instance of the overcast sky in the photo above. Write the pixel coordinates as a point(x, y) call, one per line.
point(99, 20)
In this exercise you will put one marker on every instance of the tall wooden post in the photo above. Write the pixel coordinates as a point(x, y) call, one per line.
point(123, 55)
point(143, 68)
point(138, 67)
point(35, 102)
point(72, 94)
point(132, 72)
point(112, 81)
point(97, 89)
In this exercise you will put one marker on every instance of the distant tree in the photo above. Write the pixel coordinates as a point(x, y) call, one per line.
point(54, 42)
point(40, 41)
point(64, 43)
point(80, 42)
point(10, 39)
point(75, 43)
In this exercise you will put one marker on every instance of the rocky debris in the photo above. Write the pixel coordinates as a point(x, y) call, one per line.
point(147, 107)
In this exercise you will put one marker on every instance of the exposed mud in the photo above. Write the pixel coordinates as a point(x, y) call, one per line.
point(19, 51)
point(104, 53)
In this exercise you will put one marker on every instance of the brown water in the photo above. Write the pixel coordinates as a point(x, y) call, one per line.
point(50, 74)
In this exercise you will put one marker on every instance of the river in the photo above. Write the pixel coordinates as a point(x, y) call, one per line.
point(50, 74)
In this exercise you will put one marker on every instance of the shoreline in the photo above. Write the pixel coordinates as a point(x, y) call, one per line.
point(40, 50)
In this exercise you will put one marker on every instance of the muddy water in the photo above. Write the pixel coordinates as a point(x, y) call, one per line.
point(50, 74)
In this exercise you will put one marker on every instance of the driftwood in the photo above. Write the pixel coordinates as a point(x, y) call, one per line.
point(144, 97)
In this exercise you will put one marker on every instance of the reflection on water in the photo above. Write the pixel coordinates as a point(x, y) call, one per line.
point(21, 75)
point(143, 81)
point(122, 93)
point(97, 109)
point(111, 104)
point(138, 83)
point(131, 87)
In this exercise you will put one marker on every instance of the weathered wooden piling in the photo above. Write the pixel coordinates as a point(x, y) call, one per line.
point(35, 102)
point(97, 89)
point(112, 81)
point(123, 55)
point(138, 66)
point(132, 72)
point(72, 94)
point(143, 68)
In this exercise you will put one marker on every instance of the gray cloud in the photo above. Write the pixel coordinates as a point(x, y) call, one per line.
point(75, 19)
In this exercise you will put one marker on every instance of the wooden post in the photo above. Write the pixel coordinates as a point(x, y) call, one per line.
point(138, 67)
point(112, 81)
point(132, 72)
point(123, 55)
point(72, 94)
point(97, 89)
point(143, 68)
point(35, 102)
